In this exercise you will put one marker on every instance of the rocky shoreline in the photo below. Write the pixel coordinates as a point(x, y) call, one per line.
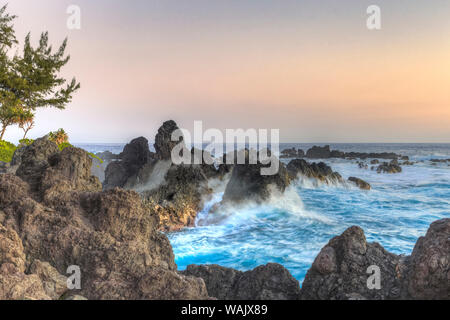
point(54, 213)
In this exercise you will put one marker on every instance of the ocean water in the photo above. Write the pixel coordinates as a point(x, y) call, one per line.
point(292, 228)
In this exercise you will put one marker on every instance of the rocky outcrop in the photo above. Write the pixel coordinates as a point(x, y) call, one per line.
point(163, 140)
point(269, 282)
point(340, 270)
point(247, 183)
point(59, 217)
point(391, 167)
point(343, 268)
point(292, 153)
point(15, 283)
point(178, 200)
point(360, 183)
point(319, 171)
point(317, 152)
point(428, 276)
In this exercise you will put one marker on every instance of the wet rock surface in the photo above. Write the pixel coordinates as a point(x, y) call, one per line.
point(389, 167)
point(319, 171)
point(360, 183)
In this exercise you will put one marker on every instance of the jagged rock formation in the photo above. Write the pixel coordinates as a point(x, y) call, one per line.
point(319, 171)
point(175, 192)
point(340, 271)
point(248, 183)
point(428, 274)
point(391, 167)
point(269, 282)
point(163, 140)
point(360, 183)
point(54, 215)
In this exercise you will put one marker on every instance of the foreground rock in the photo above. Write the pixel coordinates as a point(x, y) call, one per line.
point(428, 275)
point(55, 216)
point(340, 271)
point(319, 171)
point(269, 282)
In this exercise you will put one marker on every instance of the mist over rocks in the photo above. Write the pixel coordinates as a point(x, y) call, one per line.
point(267, 282)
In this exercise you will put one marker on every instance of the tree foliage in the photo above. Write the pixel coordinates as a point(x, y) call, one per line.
point(30, 80)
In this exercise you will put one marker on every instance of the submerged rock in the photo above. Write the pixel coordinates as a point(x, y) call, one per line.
point(391, 167)
point(269, 282)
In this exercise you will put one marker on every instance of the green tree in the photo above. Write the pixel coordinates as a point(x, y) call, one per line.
point(30, 80)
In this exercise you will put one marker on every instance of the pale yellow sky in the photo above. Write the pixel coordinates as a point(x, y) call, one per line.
point(313, 71)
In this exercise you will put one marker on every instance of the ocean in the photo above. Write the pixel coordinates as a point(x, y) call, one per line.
point(292, 228)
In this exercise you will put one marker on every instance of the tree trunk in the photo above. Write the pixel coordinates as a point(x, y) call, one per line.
point(2, 133)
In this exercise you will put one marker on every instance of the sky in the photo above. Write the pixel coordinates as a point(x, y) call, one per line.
point(309, 68)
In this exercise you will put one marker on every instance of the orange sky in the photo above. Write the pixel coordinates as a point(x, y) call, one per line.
point(313, 71)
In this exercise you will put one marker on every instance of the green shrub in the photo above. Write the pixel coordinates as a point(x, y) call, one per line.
point(25, 142)
point(6, 151)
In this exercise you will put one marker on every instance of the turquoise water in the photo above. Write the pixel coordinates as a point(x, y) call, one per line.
point(292, 228)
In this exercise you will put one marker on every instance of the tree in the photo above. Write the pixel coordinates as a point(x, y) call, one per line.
point(8, 101)
point(31, 80)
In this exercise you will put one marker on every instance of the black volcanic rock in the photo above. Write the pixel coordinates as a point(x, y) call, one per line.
point(269, 282)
